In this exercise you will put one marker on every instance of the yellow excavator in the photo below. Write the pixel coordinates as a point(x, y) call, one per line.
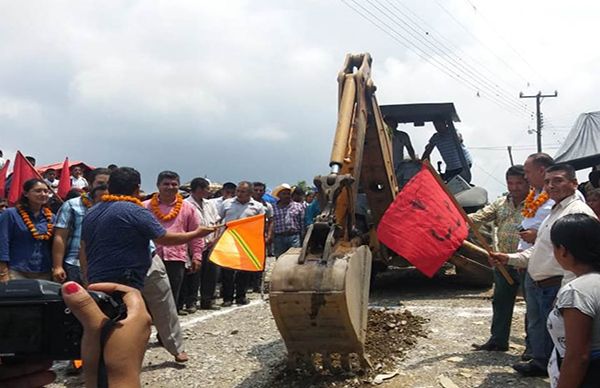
point(319, 292)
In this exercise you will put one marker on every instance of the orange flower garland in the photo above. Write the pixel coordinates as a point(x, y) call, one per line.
point(34, 232)
point(532, 204)
point(172, 214)
point(86, 201)
point(115, 198)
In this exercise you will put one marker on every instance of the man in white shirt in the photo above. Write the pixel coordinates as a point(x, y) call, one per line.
point(227, 192)
point(77, 179)
point(535, 171)
point(50, 178)
point(544, 274)
point(206, 278)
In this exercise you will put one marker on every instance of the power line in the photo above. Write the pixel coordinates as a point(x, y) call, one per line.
point(435, 35)
point(500, 59)
point(447, 54)
point(491, 27)
point(514, 148)
point(434, 61)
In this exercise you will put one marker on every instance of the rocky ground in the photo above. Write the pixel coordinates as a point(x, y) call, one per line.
point(420, 335)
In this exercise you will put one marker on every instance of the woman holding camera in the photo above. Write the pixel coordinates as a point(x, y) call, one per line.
point(123, 350)
point(574, 323)
point(25, 235)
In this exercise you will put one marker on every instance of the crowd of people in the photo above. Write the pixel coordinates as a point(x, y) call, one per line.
point(547, 236)
point(155, 248)
point(158, 244)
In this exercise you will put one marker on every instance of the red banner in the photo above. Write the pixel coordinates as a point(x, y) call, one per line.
point(3, 173)
point(423, 225)
point(22, 172)
point(64, 182)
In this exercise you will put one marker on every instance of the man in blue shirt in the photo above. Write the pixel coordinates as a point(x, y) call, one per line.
point(454, 153)
point(116, 234)
point(67, 231)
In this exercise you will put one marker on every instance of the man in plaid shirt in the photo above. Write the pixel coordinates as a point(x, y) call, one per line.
point(288, 221)
point(505, 212)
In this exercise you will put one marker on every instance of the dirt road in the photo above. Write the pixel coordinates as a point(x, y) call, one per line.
point(240, 346)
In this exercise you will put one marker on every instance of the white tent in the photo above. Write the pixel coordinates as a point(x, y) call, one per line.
point(582, 146)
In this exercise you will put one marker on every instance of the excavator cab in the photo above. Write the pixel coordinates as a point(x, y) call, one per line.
point(470, 197)
point(319, 293)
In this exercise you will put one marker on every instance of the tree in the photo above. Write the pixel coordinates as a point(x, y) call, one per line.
point(303, 185)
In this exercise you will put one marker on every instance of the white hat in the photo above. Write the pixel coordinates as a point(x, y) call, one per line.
point(278, 189)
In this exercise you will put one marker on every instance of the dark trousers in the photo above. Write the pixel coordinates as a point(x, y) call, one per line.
point(188, 296)
point(73, 273)
point(503, 303)
point(234, 282)
point(176, 273)
point(209, 272)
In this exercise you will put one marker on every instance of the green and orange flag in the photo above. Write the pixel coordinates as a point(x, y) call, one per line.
point(242, 245)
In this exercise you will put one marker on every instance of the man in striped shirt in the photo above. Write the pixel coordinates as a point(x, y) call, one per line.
point(450, 147)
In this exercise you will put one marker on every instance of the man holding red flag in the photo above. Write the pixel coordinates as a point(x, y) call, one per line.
point(423, 225)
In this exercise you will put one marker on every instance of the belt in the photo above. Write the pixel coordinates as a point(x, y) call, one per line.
point(289, 233)
point(548, 282)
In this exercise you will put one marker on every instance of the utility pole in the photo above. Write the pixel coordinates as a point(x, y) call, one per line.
point(538, 114)
point(512, 162)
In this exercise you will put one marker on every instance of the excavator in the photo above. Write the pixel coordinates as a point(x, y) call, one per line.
point(319, 292)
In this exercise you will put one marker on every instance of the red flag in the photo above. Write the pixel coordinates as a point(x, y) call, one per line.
point(423, 225)
point(22, 172)
point(3, 173)
point(64, 182)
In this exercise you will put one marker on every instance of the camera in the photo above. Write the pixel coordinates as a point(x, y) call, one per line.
point(35, 323)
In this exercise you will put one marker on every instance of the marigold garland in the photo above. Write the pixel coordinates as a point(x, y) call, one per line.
point(86, 201)
point(532, 204)
point(172, 214)
point(127, 198)
point(34, 232)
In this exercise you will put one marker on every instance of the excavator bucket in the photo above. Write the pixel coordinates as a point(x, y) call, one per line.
point(320, 306)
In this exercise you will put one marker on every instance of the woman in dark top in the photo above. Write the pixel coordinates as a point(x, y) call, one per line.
point(26, 235)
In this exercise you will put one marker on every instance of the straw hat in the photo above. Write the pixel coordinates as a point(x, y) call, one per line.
point(278, 189)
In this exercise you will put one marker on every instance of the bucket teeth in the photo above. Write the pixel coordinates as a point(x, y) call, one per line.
point(345, 362)
point(326, 360)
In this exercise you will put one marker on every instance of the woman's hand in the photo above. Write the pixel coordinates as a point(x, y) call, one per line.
point(124, 350)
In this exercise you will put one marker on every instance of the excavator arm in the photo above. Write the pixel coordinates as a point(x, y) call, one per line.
point(319, 293)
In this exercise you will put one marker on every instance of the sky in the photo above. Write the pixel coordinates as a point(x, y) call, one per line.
point(246, 90)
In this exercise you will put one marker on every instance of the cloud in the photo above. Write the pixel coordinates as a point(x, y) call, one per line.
point(197, 85)
point(269, 133)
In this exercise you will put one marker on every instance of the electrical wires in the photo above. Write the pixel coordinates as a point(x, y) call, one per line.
point(402, 28)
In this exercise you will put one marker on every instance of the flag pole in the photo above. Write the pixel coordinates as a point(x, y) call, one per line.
point(475, 230)
point(54, 193)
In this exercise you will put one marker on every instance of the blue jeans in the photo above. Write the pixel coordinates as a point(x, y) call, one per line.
point(539, 305)
point(282, 243)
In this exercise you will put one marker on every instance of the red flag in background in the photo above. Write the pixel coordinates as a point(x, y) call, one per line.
point(423, 225)
point(22, 172)
point(64, 182)
point(3, 174)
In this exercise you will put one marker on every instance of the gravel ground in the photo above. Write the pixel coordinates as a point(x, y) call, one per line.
point(240, 346)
